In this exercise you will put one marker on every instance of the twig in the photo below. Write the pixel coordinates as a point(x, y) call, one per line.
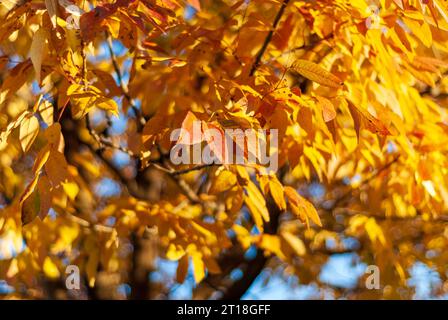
point(268, 38)
point(198, 167)
point(103, 142)
point(87, 224)
point(122, 85)
point(364, 182)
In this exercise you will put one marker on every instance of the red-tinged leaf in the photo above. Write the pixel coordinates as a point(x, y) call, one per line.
point(303, 206)
point(91, 22)
point(363, 118)
point(191, 130)
point(328, 111)
point(215, 137)
point(182, 269)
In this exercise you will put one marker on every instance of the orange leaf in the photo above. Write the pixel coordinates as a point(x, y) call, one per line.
point(316, 73)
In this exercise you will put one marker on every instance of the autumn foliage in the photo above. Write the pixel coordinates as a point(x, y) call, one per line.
point(92, 90)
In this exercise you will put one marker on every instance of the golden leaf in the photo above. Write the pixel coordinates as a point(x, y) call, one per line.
point(315, 73)
point(37, 50)
point(277, 192)
point(29, 129)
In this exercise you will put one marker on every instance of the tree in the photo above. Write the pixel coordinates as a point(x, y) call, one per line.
point(93, 91)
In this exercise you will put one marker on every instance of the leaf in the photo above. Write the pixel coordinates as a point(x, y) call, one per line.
point(215, 137)
point(212, 266)
point(258, 200)
point(296, 244)
point(235, 200)
point(273, 244)
point(71, 189)
point(223, 182)
point(107, 104)
point(37, 51)
point(29, 129)
point(198, 267)
point(363, 118)
point(303, 206)
point(93, 21)
point(374, 231)
point(255, 211)
point(41, 159)
point(315, 73)
point(50, 269)
point(15, 80)
point(328, 111)
point(46, 112)
point(191, 130)
point(277, 192)
point(44, 188)
point(30, 207)
point(56, 168)
point(182, 269)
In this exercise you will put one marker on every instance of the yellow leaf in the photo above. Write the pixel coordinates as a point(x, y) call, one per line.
point(277, 192)
point(315, 73)
point(374, 231)
point(37, 50)
point(296, 244)
point(258, 200)
point(29, 129)
point(50, 269)
point(243, 176)
point(71, 189)
point(223, 182)
point(107, 104)
point(46, 112)
point(273, 244)
point(174, 252)
point(257, 215)
point(328, 111)
point(302, 205)
point(243, 235)
point(198, 267)
point(29, 189)
point(41, 159)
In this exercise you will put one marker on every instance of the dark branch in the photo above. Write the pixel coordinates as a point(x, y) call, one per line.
point(268, 38)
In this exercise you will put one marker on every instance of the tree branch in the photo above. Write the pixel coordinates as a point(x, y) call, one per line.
point(122, 85)
point(268, 38)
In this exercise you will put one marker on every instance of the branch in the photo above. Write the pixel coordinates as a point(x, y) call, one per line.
point(122, 85)
point(366, 181)
point(251, 269)
point(268, 38)
point(130, 185)
point(198, 167)
point(103, 142)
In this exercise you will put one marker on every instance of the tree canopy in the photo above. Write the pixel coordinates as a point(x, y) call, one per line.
point(91, 92)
